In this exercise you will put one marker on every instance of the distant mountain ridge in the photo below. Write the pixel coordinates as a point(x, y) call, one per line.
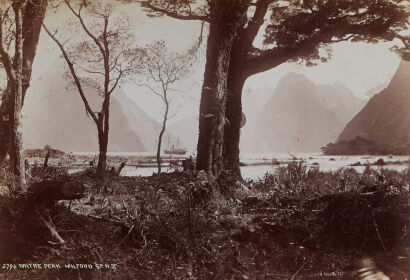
point(341, 101)
point(375, 90)
point(54, 114)
point(301, 116)
point(298, 116)
point(386, 117)
point(295, 119)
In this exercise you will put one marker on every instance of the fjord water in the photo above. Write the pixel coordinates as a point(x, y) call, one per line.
point(255, 166)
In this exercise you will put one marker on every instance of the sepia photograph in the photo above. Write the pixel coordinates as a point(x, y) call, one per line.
point(205, 139)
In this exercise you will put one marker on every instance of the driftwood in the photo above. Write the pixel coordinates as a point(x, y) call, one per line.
point(126, 236)
point(54, 232)
point(45, 164)
point(54, 190)
point(118, 171)
point(51, 228)
point(120, 168)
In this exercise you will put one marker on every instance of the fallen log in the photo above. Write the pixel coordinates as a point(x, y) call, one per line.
point(54, 190)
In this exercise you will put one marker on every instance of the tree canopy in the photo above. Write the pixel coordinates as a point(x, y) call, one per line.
point(292, 31)
point(293, 25)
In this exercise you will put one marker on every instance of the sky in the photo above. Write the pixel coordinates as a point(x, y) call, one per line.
point(358, 66)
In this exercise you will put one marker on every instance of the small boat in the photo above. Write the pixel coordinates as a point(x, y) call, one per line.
point(175, 151)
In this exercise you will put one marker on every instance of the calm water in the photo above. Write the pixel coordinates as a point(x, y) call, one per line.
point(260, 164)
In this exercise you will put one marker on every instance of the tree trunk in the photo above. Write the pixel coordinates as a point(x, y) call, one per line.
point(164, 122)
point(102, 156)
point(33, 17)
point(236, 81)
point(225, 18)
point(6, 116)
point(103, 130)
point(16, 151)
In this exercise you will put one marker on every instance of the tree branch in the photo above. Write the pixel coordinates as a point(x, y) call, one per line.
point(260, 61)
point(78, 15)
point(74, 75)
point(152, 89)
point(89, 82)
point(115, 83)
point(189, 16)
point(89, 71)
point(256, 22)
point(343, 39)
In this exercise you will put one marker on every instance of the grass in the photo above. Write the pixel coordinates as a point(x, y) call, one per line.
point(298, 223)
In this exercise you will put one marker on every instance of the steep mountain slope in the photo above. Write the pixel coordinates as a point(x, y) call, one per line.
point(294, 119)
point(54, 115)
point(253, 101)
point(386, 117)
point(375, 90)
point(144, 126)
point(341, 101)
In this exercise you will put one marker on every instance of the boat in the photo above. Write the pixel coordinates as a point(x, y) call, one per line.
point(175, 151)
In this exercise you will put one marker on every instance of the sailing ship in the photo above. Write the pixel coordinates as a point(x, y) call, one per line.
point(175, 151)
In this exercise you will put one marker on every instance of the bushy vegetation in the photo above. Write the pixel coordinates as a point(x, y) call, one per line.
point(363, 146)
point(298, 223)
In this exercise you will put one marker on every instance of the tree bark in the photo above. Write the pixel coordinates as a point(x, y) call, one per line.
point(236, 81)
point(238, 73)
point(6, 113)
point(102, 156)
point(33, 16)
point(225, 18)
point(103, 130)
point(16, 149)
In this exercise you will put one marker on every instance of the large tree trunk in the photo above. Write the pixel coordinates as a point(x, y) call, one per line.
point(225, 18)
point(16, 149)
point(33, 17)
point(236, 81)
point(6, 113)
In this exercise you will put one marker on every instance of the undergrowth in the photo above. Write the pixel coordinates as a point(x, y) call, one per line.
point(297, 223)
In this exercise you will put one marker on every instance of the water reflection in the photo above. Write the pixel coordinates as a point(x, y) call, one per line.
point(256, 169)
point(255, 166)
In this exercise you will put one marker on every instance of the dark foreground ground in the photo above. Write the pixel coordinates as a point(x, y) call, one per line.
point(295, 224)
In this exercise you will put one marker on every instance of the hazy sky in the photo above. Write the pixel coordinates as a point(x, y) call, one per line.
point(358, 66)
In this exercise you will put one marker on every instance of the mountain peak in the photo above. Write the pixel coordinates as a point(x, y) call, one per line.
point(386, 117)
point(293, 120)
point(49, 95)
point(293, 76)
